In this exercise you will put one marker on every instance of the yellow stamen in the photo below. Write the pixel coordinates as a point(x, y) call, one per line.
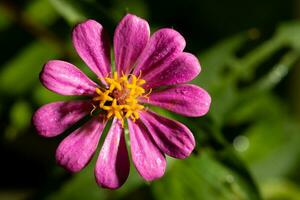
point(120, 99)
point(113, 82)
point(103, 97)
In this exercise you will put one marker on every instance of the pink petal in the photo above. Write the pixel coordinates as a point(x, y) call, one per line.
point(92, 45)
point(54, 118)
point(76, 150)
point(182, 69)
point(172, 137)
point(131, 37)
point(162, 48)
point(112, 167)
point(66, 79)
point(189, 100)
point(147, 158)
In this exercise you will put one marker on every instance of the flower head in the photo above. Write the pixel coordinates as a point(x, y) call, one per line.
point(149, 70)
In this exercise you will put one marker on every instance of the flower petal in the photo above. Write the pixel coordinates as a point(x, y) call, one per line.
point(92, 45)
point(66, 79)
point(162, 48)
point(76, 150)
point(131, 37)
point(187, 99)
point(147, 158)
point(112, 167)
point(185, 67)
point(54, 118)
point(172, 137)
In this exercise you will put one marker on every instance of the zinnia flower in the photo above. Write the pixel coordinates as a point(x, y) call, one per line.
point(148, 70)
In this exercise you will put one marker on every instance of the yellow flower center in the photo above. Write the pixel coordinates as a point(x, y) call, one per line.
point(120, 99)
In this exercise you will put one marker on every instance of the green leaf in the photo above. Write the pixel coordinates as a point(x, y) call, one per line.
point(80, 186)
point(45, 18)
point(22, 72)
point(42, 96)
point(288, 33)
point(216, 60)
point(201, 177)
point(254, 107)
point(84, 186)
point(278, 189)
point(273, 148)
point(68, 10)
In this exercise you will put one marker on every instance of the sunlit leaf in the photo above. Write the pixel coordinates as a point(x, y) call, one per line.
point(288, 33)
point(276, 189)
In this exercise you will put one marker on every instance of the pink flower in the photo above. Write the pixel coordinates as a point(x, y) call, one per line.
point(143, 64)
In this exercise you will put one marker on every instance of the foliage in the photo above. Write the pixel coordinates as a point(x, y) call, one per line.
point(247, 147)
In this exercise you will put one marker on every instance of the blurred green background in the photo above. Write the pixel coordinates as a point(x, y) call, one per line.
point(248, 146)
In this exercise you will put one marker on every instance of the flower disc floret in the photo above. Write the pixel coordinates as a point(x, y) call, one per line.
point(119, 99)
